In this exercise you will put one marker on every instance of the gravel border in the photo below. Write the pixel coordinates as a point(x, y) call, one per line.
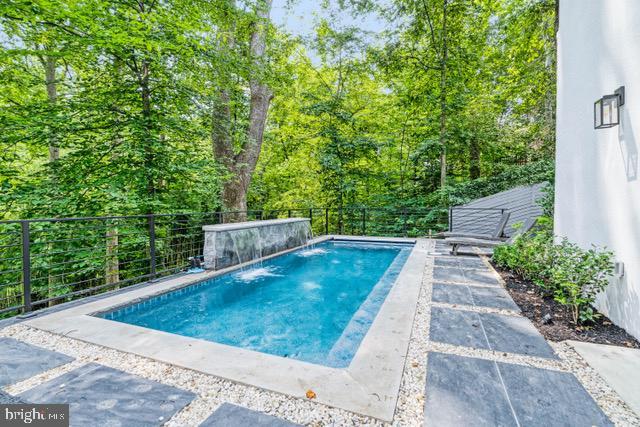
point(212, 391)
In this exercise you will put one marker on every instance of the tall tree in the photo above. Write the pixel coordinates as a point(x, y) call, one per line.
point(240, 162)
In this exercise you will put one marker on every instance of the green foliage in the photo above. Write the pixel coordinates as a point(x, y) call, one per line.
point(573, 276)
point(364, 122)
point(579, 277)
point(513, 176)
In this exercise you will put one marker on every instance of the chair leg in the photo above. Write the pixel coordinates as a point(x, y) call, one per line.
point(454, 249)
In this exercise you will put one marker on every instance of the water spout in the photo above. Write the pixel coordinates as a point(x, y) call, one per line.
point(239, 243)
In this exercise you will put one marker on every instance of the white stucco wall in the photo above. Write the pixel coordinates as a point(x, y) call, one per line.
point(597, 183)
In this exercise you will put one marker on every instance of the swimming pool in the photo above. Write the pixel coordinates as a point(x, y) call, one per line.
point(314, 304)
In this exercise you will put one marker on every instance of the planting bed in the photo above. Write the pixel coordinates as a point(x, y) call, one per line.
point(535, 306)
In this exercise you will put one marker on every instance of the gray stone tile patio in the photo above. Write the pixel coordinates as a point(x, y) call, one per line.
point(488, 331)
point(465, 276)
point(515, 335)
point(469, 391)
point(100, 396)
point(481, 277)
point(492, 297)
point(228, 415)
point(464, 391)
point(457, 327)
point(19, 361)
point(7, 399)
point(559, 398)
point(461, 262)
point(451, 294)
point(449, 274)
point(480, 296)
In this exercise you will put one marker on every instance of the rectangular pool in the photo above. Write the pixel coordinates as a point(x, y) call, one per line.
point(314, 304)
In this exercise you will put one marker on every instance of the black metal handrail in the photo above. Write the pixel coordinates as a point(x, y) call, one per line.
point(47, 261)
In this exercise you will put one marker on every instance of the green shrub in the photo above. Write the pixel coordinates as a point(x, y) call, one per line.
point(571, 275)
point(530, 256)
point(579, 276)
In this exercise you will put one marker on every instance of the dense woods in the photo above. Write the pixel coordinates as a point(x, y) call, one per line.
point(130, 107)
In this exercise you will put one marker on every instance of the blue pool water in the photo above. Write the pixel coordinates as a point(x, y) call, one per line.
point(314, 304)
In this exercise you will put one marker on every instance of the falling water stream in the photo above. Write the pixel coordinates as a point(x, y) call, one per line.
point(251, 244)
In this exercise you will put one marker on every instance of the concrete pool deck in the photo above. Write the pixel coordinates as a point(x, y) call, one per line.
point(369, 386)
point(445, 379)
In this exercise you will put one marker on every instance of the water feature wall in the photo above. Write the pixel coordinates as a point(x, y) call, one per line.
point(230, 244)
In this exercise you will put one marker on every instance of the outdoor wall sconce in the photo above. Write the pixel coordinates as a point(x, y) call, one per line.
point(606, 110)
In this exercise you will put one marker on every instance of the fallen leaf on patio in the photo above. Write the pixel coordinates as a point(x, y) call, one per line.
point(311, 394)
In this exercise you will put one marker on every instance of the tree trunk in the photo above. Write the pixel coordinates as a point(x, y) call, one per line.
point(443, 99)
point(52, 96)
point(112, 270)
point(242, 165)
point(149, 149)
point(54, 152)
point(233, 198)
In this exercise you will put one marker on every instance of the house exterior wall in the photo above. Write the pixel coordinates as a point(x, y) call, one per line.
point(597, 184)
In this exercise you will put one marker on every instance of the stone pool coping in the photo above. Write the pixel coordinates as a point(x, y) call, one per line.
point(251, 224)
point(369, 386)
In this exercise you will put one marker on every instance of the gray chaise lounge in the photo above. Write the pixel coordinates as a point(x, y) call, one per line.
point(456, 242)
point(497, 233)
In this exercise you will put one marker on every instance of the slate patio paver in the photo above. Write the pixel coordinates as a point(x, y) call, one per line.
point(481, 277)
point(469, 391)
point(457, 327)
point(511, 334)
point(550, 398)
point(479, 296)
point(99, 395)
point(465, 276)
point(492, 297)
point(449, 274)
point(7, 399)
point(515, 335)
point(451, 294)
point(464, 391)
point(19, 360)
point(232, 415)
point(461, 262)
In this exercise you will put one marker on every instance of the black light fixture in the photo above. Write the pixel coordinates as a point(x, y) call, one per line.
point(606, 110)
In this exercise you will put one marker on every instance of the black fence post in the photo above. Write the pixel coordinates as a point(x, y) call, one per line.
point(450, 218)
point(152, 245)
point(364, 221)
point(289, 213)
point(311, 218)
point(26, 265)
point(326, 221)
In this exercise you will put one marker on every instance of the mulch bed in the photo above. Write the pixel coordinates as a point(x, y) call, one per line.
point(560, 327)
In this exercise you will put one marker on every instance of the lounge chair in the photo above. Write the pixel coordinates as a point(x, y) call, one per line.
point(497, 233)
point(456, 242)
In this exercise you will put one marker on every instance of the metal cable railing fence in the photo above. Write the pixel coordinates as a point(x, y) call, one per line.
point(44, 262)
